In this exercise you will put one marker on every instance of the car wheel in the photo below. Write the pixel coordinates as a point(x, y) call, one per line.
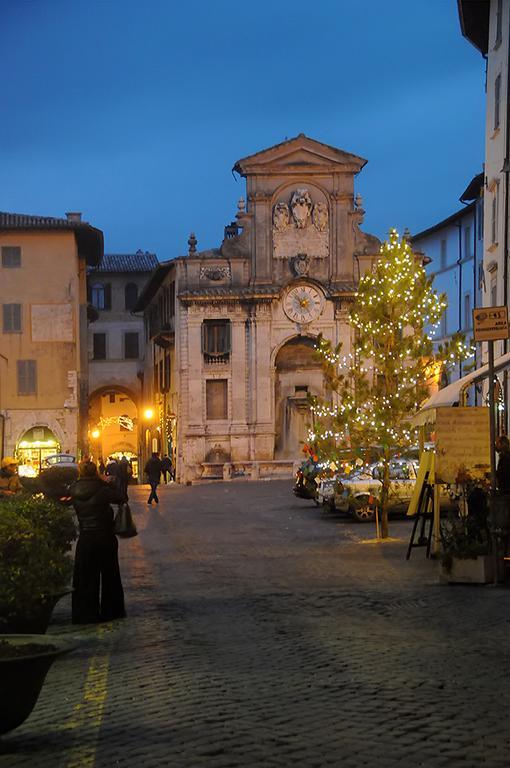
point(364, 510)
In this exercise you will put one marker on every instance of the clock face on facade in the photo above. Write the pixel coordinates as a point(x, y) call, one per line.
point(303, 304)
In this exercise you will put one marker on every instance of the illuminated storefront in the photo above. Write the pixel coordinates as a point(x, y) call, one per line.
point(35, 445)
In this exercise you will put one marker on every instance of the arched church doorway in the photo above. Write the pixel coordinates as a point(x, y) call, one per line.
point(297, 374)
point(113, 426)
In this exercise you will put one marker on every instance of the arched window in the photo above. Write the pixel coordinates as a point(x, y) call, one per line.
point(130, 295)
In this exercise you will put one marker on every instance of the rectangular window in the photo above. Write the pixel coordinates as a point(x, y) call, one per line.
point(12, 318)
point(467, 311)
point(216, 338)
point(11, 256)
point(131, 346)
point(497, 100)
point(167, 373)
point(99, 350)
point(27, 377)
point(216, 399)
point(467, 242)
point(443, 256)
point(494, 216)
point(499, 22)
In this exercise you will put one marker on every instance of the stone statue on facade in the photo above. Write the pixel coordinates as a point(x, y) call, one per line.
point(320, 217)
point(281, 217)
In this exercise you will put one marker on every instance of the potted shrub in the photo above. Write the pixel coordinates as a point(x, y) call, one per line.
point(36, 536)
point(465, 555)
point(24, 663)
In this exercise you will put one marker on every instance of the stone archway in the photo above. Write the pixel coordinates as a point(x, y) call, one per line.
point(297, 374)
point(114, 425)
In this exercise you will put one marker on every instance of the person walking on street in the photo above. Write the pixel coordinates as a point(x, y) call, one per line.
point(153, 470)
point(123, 474)
point(166, 468)
point(97, 586)
point(503, 469)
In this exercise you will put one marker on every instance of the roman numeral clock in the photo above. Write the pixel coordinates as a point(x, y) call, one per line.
point(303, 304)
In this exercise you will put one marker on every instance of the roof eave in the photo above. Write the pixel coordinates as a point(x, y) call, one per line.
point(474, 22)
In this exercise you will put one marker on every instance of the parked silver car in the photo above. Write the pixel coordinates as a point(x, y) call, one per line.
point(359, 494)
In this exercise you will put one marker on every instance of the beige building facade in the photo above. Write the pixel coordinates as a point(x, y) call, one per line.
point(43, 339)
point(116, 351)
point(231, 331)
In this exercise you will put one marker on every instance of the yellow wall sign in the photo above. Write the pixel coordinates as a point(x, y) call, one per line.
point(490, 323)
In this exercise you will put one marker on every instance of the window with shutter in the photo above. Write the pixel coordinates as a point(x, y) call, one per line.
point(131, 346)
point(99, 346)
point(97, 295)
point(11, 256)
point(11, 318)
point(216, 340)
point(130, 295)
point(27, 377)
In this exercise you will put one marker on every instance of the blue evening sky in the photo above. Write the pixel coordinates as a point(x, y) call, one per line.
point(135, 111)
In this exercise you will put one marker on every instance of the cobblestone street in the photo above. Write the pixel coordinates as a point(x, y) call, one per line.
point(260, 634)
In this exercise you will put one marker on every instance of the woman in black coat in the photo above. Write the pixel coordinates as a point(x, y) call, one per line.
point(97, 588)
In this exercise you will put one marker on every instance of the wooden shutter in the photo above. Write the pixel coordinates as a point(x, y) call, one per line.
point(27, 377)
point(107, 296)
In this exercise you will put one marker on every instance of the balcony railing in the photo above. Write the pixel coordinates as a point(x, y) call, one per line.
point(222, 359)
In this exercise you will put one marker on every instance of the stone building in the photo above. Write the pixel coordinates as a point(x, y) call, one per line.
point(43, 339)
point(231, 330)
point(116, 353)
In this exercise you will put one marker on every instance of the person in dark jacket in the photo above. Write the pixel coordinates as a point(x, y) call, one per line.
point(166, 468)
point(153, 471)
point(123, 473)
point(503, 468)
point(97, 587)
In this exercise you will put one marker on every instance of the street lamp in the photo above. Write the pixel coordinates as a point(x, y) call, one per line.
point(148, 414)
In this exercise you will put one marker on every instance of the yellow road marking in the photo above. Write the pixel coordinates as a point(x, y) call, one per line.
point(88, 714)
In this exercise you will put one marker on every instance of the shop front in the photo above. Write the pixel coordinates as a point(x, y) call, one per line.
point(35, 445)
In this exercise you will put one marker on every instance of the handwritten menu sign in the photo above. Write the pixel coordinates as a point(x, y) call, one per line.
point(462, 443)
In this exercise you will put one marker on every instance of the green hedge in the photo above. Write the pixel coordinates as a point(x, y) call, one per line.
point(36, 537)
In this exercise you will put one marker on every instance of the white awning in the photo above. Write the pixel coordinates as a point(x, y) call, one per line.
point(452, 394)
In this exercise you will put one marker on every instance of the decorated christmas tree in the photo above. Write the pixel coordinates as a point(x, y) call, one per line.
point(373, 392)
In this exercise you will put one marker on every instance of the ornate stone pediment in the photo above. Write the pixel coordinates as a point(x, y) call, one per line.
point(215, 273)
point(300, 226)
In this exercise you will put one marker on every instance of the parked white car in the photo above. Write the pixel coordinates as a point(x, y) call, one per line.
point(359, 493)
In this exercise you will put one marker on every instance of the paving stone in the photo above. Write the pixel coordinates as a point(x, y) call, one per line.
point(259, 634)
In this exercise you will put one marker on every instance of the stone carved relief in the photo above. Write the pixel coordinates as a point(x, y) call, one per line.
point(320, 216)
point(300, 264)
point(215, 273)
point(281, 217)
point(301, 207)
point(300, 227)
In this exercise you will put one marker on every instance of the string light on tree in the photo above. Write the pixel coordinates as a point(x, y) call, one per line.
point(375, 390)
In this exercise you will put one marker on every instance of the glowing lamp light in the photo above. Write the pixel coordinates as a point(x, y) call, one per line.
point(148, 414)
point(95, 433)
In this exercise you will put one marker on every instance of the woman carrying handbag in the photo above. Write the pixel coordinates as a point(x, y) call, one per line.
point(97, 586)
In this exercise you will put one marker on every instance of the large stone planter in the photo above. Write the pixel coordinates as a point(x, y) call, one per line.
point(477, 570)
point(22, 677)
point(36, 623)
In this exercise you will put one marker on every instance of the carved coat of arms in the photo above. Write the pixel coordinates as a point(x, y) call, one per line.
point(300, 226)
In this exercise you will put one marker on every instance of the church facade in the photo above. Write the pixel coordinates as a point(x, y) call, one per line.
point(232, 330)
